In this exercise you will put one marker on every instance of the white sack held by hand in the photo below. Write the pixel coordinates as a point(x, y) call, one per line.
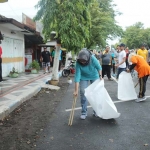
point(100, 100)
point(126, 90)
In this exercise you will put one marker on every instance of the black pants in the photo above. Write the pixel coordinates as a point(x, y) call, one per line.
point(142, 82)
point(106, 70)
point(114, 68)
point(0, 69)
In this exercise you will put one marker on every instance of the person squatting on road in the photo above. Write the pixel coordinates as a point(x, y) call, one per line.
point(122, 59)
point(88, 69)
point(143, 69)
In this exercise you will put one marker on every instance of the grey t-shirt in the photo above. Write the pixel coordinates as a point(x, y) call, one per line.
point(106, 59)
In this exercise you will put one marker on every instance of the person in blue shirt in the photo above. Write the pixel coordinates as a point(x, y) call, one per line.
point(88, 69)
point(60, 57)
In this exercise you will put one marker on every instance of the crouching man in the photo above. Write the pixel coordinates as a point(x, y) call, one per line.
point(143, 69)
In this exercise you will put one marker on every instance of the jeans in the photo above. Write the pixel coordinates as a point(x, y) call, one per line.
point(119, 71)
point(83, 85)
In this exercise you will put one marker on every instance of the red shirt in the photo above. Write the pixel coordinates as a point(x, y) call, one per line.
point(0, 52)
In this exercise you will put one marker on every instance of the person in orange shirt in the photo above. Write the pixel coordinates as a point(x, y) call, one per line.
point(143, 52)
point(143, 69)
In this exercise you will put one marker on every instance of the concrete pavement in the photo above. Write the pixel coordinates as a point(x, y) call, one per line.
point(14, 91)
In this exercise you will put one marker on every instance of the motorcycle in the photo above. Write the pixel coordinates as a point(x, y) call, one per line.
point(70, 69)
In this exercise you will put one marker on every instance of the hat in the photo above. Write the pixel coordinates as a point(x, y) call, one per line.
point(122, 45)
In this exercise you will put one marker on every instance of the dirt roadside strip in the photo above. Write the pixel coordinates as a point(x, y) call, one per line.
point(15, 96)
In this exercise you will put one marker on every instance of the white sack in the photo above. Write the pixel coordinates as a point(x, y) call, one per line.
point(126, 90)
point(100, 101)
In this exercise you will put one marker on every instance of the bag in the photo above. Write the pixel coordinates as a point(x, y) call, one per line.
point(126, 90)
point(100, 100)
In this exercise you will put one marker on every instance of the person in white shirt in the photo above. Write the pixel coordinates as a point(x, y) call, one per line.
point(121, 60)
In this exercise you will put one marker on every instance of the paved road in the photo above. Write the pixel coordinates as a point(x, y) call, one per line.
point(131, 131)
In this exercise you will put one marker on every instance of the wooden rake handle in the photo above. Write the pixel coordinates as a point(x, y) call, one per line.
point(136, 85)
point(72, 112)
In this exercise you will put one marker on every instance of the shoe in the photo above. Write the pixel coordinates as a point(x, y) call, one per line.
point(141, 99)
point(114, 75)
point(110, 79)
point(83, 117)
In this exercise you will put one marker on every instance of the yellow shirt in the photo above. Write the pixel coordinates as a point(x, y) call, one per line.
point(143, 53)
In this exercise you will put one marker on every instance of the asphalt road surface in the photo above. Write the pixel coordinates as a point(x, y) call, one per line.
point(131, 131)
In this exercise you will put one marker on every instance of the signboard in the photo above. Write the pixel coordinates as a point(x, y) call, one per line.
point(28, 21)
point(3, 1)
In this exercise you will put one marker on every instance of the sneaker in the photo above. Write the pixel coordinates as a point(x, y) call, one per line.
point(141, 99)
point(110, 79)
point(83, 117)
point(114, 75)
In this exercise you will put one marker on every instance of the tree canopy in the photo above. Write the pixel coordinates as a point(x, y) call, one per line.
point(135, 35)
point(78, 23)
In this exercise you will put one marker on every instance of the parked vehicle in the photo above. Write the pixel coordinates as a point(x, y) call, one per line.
point(70, 69)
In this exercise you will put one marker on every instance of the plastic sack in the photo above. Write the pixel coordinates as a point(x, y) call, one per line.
point(100, 100)
point(126, 90)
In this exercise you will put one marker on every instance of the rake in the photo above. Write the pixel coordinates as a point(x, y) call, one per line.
point(72, 111)
point(136, 85)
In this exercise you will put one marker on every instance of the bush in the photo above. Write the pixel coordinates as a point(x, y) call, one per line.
point(34, 65)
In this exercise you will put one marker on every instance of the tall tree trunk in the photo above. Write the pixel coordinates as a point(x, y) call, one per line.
point(55, 75)
point(68, 55)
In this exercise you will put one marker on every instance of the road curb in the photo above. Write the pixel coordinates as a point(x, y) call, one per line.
point(14, 103)
point(6, 110)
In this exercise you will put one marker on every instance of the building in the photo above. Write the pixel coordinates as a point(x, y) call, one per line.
point(19, 40)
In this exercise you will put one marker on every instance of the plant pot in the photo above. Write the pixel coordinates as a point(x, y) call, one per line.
point(54, 82)
point(34, 71)
point(13, 75)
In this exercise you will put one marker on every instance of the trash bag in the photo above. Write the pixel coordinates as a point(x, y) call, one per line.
point(100, 100)
point(126, 90)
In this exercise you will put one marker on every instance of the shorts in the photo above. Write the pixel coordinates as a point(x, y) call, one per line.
point(46, 64)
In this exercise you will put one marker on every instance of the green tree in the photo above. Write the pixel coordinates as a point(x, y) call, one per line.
point(135, 35)
point(103, 24)
point(70, 19)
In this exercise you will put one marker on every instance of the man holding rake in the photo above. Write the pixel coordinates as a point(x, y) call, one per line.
point(88, 69)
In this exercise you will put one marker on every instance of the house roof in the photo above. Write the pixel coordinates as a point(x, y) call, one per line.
point(14, 25)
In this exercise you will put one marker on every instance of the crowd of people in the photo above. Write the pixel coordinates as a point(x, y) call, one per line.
point(92, 65)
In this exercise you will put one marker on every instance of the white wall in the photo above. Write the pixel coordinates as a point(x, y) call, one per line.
point(13, 46)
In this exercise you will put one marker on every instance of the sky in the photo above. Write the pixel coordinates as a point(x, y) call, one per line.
point(132, 11)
